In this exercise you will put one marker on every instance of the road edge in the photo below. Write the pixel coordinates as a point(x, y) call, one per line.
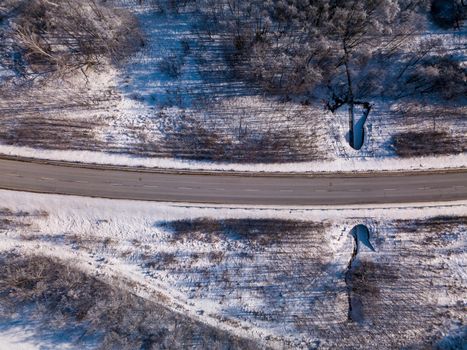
point(142, 169)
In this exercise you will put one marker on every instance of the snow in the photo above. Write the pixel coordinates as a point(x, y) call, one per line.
point(18, 339)
point(24, 338)
point(128, 113)
point(337, 165)
point(95, 209)
point(71, 229)
point(137, 104)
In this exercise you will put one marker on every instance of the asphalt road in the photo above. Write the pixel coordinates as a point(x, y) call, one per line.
point(229, 189)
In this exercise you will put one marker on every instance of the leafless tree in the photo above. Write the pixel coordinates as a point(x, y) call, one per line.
point(307, 47)
point(58, 37)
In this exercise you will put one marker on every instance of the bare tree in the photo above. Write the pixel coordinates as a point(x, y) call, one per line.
point(64, 36)
point(449, 13)
point(307, 47)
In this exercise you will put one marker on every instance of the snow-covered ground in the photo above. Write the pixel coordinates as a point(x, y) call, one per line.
point(281, 288)
point(174, 105)
point(18, 338)
point(337, 165)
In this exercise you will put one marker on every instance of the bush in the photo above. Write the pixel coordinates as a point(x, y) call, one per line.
point(296, 47)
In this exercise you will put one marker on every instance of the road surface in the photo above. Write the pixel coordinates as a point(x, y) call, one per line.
point(230, 189)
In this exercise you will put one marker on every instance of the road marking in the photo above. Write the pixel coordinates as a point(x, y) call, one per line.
point(47, 179)
point(184, 188)
point(115, 184)
point(390, 189)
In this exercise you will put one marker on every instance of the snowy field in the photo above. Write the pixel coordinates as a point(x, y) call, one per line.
point(276, 276)
point(175, 105)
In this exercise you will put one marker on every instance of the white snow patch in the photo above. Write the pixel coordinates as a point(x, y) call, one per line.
point(337, 165)
point(91, 209)
point(133, 228)
point(20, 338)
point(129, 100)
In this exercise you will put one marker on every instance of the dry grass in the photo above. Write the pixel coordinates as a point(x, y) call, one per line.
point(410, 289)
point(12, 220)
point(284, 274)
point(191, 139)
point(427, 143)
point(425, 130)
point(50, 133)
point(66, 299)
point(259, 231)
point(259, 270)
